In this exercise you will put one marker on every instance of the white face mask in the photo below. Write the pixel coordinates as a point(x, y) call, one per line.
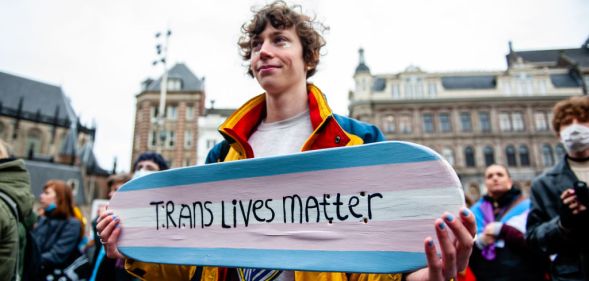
point(575, 138)
point(142, 173)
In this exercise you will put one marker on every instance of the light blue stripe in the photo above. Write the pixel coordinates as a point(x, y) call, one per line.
point(358, 156)
point(345, 261)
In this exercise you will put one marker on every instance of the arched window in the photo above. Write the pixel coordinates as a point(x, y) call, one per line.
point(489, 155)
point(510, 156)
point(469, 157)
point(560, 152)
point(448, 155)
point(524, 155)
point(33, 142)
point(547, 156)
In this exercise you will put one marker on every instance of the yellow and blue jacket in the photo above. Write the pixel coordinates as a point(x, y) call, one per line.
point(329, 130)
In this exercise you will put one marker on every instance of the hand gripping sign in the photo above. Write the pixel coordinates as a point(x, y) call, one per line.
point(356, 209)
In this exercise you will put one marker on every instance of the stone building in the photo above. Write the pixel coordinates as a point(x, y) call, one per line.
point(474, 118)
point(208, 126)
point(40, 125)
point(176, 138)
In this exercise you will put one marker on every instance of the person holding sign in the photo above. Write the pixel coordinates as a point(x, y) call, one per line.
point(282, 47)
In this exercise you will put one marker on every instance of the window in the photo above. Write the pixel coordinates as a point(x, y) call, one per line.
point(428, 123)
point(524, 155)
point(510, 156)
point(187, 162)
point(172, 112)
point(432, 89)
point(33, 142)
point(485, 121)
point(395, 90)
point(170, 139)
point(465, 121)
point(211, 143)
point(448, 154)
point(469, 157)
point(560, 151)
point(2, 131)
point(489, 156)
point(405, 124)
point(174, 84)
point(153, 112)
point(189, 112)
point(414, 87)
point(517, 121)
point(547, 156)
point(540, 121)
point(152, 139)
point(187, 139)
point(445, 125)
point(388, 124)
point(504, 122)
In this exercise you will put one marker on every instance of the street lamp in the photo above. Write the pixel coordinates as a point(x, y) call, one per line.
point(162, 54)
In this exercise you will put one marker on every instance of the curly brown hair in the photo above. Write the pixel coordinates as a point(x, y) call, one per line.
point(281, 16)
point(566, 110)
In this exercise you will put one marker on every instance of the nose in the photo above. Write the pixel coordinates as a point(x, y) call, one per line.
point(266, 50)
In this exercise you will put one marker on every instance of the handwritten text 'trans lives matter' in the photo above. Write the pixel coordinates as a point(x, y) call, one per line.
point(242, 212)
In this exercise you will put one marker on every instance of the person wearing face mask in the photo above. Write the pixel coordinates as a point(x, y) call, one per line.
point(57, 232)
point(501, 252)
point(558, 223)
point(148, 163)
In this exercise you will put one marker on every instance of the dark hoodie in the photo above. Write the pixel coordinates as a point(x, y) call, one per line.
point(14, 182)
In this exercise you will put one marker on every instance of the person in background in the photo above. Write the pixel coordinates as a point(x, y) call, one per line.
point(58, 231)
point(282, 47)
point(105, 268)
point(14, 183)
point(113, 269)
point(558, 224)
point(501, 252)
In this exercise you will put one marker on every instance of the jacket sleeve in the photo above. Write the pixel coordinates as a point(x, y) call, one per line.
point(542, 232)
point(8, 242)
point(65, 244)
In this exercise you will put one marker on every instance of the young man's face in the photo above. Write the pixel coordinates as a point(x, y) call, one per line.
point(277, 59)
point(579, 136)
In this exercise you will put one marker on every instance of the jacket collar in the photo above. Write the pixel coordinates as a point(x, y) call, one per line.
point(238, 128)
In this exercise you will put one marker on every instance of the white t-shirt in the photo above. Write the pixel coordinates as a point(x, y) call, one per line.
point(281, 138)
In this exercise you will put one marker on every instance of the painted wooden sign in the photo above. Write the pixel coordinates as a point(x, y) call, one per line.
point(357, 209)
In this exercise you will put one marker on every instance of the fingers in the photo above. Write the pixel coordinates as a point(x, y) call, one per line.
point(567, 193)
point(463, 230)
point(447, 247)
point(468, 221)
point(112, 251)
point(434, 263)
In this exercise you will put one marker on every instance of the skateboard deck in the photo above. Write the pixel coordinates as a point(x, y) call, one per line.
point(355, 209)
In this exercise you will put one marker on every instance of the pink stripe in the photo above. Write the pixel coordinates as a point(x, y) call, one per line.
point(370, 179)
point(376, 236)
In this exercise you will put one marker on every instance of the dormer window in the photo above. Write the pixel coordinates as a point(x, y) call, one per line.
point(174, 84)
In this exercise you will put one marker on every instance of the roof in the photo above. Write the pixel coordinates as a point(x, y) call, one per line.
point(41, 172)
point(469, 82)
point(37, 96)
point(225, 112)
point(362, 67)
point(180, 71)
point(579, 56)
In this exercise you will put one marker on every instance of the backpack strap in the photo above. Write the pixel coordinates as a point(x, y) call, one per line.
point(10, 202)
point(225, 146)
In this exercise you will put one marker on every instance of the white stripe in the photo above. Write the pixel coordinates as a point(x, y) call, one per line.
point(398, 205)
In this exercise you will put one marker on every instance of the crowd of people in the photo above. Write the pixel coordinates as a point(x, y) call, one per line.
point(503, 236)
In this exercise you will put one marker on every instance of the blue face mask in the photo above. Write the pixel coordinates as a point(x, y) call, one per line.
point(50, 207)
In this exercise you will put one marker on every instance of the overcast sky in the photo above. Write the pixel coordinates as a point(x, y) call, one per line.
point(100, 51)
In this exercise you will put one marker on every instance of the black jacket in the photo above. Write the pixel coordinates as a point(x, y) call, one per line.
point(58, 240)
point(543, 229)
